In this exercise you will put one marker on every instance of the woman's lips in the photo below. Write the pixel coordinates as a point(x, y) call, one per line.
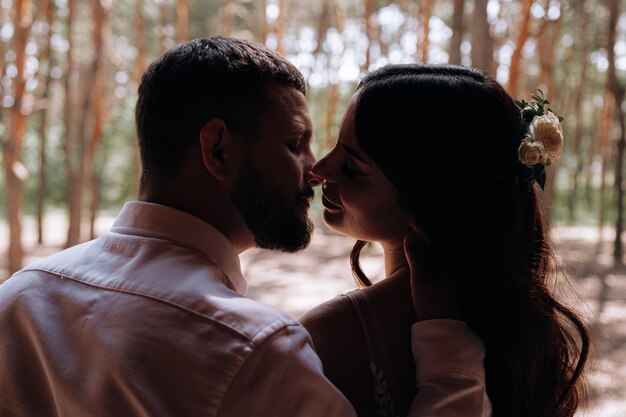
point(328, 204)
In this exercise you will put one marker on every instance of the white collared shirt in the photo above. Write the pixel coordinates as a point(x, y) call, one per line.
point(150, 320)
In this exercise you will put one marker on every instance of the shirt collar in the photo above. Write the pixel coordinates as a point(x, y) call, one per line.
point(159, 221)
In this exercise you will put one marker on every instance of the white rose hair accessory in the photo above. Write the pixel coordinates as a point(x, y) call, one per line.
point(543, 137)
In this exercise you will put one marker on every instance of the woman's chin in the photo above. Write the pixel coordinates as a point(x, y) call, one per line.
point(333, 219)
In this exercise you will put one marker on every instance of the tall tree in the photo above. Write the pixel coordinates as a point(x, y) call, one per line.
point(13, 168)
point(227, 17)
point(482, 43)
point(71, 151)
point(263, 21)
point(368, 10)
point(454, 51)
point(603, 134)
point(163, 39)
point(91, 120)
point(582, 48)
point(140, 64)
point(48, 6)
point(522, 37)
point(425, 13)
point(280, 26)
point(182, 21)
point(617, 90)
point(546, 42)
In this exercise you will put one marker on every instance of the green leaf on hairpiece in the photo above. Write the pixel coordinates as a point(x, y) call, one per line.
point(561, 119)
point(539, 89)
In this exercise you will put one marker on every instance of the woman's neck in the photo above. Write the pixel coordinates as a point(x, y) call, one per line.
point(395, 260)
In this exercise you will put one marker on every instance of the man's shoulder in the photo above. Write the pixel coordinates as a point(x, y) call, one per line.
point(196, 286)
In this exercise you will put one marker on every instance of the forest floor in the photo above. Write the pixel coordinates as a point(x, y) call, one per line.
point(295, 283)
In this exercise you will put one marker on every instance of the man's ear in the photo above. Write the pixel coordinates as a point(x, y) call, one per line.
point(217, 148)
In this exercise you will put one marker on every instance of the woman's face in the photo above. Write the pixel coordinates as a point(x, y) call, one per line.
point(359, 201)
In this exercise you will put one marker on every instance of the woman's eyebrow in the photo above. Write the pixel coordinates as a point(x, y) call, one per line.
point(353, 152)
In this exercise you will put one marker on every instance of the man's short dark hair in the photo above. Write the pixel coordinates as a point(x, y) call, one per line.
point(199, 80)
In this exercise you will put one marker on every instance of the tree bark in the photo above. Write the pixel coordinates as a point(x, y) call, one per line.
point(46, 56)
point(456, 40)
point(13, 167)
point(546, 43)
point(602, 141)
point(182, 21)
point(482, 43)
point(367, 19)
point(617, 90)
point(227, 17)
point(424, 17)
point(74, 190)
point(96, 136)
point(140, 67)
point(582, 51)
point(90, 127)
point(280, 26)
point(263, 23)
point(522, 36)
point(163, 19)
point(323, 26)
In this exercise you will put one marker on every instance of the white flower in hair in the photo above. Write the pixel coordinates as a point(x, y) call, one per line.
point(543, 137)
point(532, 152)
point(547, 130)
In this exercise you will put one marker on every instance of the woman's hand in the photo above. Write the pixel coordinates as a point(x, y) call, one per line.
point(432, 289)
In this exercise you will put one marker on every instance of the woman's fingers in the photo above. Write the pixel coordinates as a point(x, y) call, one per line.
point(433, 293)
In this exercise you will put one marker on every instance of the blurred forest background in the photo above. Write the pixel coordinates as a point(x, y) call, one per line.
point(69, 72)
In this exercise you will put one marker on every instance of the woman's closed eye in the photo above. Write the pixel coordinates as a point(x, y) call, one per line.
point(349, 171)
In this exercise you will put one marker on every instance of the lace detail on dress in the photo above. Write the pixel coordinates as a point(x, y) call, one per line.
point(385, 406)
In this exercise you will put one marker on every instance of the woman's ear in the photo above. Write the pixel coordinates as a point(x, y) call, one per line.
point(217, 148)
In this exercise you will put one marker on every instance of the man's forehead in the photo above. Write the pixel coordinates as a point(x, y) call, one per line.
point(292, 106)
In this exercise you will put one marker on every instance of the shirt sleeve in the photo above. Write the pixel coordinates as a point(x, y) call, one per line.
point(283, 377)
point(450, 371)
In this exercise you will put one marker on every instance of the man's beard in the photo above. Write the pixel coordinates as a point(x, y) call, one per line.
point(274, 223)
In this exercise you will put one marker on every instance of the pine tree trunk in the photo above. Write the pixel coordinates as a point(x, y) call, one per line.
point(424, 17)
point(457, 32)
point(90, 128)
point(182, 21)
point(72, 154)
point(46, 56)
point(163, 40)
point(227, 17)
point(602, 140)
point(140, 67)
point(482, 43)
point(617, 91)
point(13, 168)
point(280, 26)
point(263, 23)
point(367, 19)
point(522, 37)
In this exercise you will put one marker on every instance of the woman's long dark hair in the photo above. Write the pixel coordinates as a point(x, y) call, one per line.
point(447, 137)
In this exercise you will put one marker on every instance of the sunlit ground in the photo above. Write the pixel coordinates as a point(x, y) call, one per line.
point(295, 283)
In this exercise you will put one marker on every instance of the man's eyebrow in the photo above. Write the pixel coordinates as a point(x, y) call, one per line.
point(302, 130)
point(353, 152)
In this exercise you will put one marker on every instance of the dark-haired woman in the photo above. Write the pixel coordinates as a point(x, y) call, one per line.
point(437, 147)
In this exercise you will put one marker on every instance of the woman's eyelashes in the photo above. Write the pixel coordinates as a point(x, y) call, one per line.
point(349, 171)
